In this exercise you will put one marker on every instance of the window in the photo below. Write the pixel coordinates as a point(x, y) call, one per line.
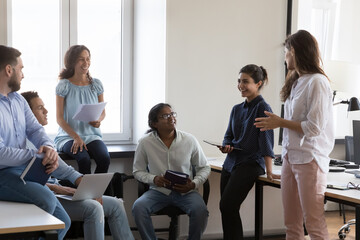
point(335, 23)
point(43, 30)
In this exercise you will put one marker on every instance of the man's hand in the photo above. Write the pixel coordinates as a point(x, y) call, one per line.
point(100, 200)
point(160, 181)
point(50, 159)
point(184, 188)
point(58, 189)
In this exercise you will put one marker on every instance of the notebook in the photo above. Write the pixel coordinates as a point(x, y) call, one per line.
point(175, 177)
point(91, 186)
point(35, 172)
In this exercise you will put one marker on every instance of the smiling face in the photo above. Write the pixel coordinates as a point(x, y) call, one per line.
point(39, 110)
point(165, 125)
point(83, 63)
point(247, 86)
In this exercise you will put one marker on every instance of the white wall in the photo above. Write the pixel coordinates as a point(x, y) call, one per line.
point(206, 44)
point(346, 47)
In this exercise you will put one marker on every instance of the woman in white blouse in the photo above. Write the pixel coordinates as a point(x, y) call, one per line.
point(308, 137)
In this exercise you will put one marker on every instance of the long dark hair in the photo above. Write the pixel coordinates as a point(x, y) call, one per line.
point(153, 115)
point(307, 59)
point(255, 72)
point(70, 59)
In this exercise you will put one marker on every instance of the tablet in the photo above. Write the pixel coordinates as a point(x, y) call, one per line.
point(217, 144)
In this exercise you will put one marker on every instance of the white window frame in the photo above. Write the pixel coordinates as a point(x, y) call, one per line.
point(68, 38)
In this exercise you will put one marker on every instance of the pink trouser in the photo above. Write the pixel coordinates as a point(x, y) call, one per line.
point(303, 190)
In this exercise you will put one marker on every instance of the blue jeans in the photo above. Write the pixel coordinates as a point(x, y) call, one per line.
point(13, 189)
point(92, 213)
point(96, 150)
point(152, 201)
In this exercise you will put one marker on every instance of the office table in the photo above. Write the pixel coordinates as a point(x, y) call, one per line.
point(24, 217)
point(348, 197)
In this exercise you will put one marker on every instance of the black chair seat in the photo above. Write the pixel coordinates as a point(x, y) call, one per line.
point(170, 211)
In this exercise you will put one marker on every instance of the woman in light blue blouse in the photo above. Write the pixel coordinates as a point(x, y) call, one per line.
point(80, 140)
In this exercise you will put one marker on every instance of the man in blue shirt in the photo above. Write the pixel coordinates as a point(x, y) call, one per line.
point(18, 123)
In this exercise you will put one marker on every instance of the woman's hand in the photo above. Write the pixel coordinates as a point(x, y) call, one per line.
point(95, 124)
point(226, 149)
point(271, 176)
point(78, 143)
point(268, 123)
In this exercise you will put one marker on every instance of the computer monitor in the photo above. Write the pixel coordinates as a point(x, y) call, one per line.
point(349, 148)
point(281, 129)
point(356, 140)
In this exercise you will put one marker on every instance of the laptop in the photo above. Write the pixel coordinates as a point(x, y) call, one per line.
point(91, 186)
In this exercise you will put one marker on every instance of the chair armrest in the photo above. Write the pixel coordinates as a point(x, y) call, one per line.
point(142, 188)
point(206, 191)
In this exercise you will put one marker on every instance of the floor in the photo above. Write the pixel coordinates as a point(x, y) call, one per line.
point(333, 219)
point(334, 222)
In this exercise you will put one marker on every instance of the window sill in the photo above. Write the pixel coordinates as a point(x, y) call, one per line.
point(115, 150)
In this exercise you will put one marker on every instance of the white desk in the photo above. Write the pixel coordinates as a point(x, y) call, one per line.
point(23, 217)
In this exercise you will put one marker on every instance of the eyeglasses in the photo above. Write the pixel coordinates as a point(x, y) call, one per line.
point(351, 185)
point(167, 116)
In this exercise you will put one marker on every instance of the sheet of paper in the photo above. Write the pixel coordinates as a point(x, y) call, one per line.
point(89, 112)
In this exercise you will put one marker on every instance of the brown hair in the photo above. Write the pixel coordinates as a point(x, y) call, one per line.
point(8, 55)
point(70, 59)
point(307, 59)
point(29, 95)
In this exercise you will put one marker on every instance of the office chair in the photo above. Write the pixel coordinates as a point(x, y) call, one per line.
point(172, 211)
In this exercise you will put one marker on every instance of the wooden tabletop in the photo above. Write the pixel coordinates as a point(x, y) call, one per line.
point(23, 217)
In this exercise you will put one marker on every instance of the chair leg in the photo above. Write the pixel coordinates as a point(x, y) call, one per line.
point(174, 228)
point(342, 212)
